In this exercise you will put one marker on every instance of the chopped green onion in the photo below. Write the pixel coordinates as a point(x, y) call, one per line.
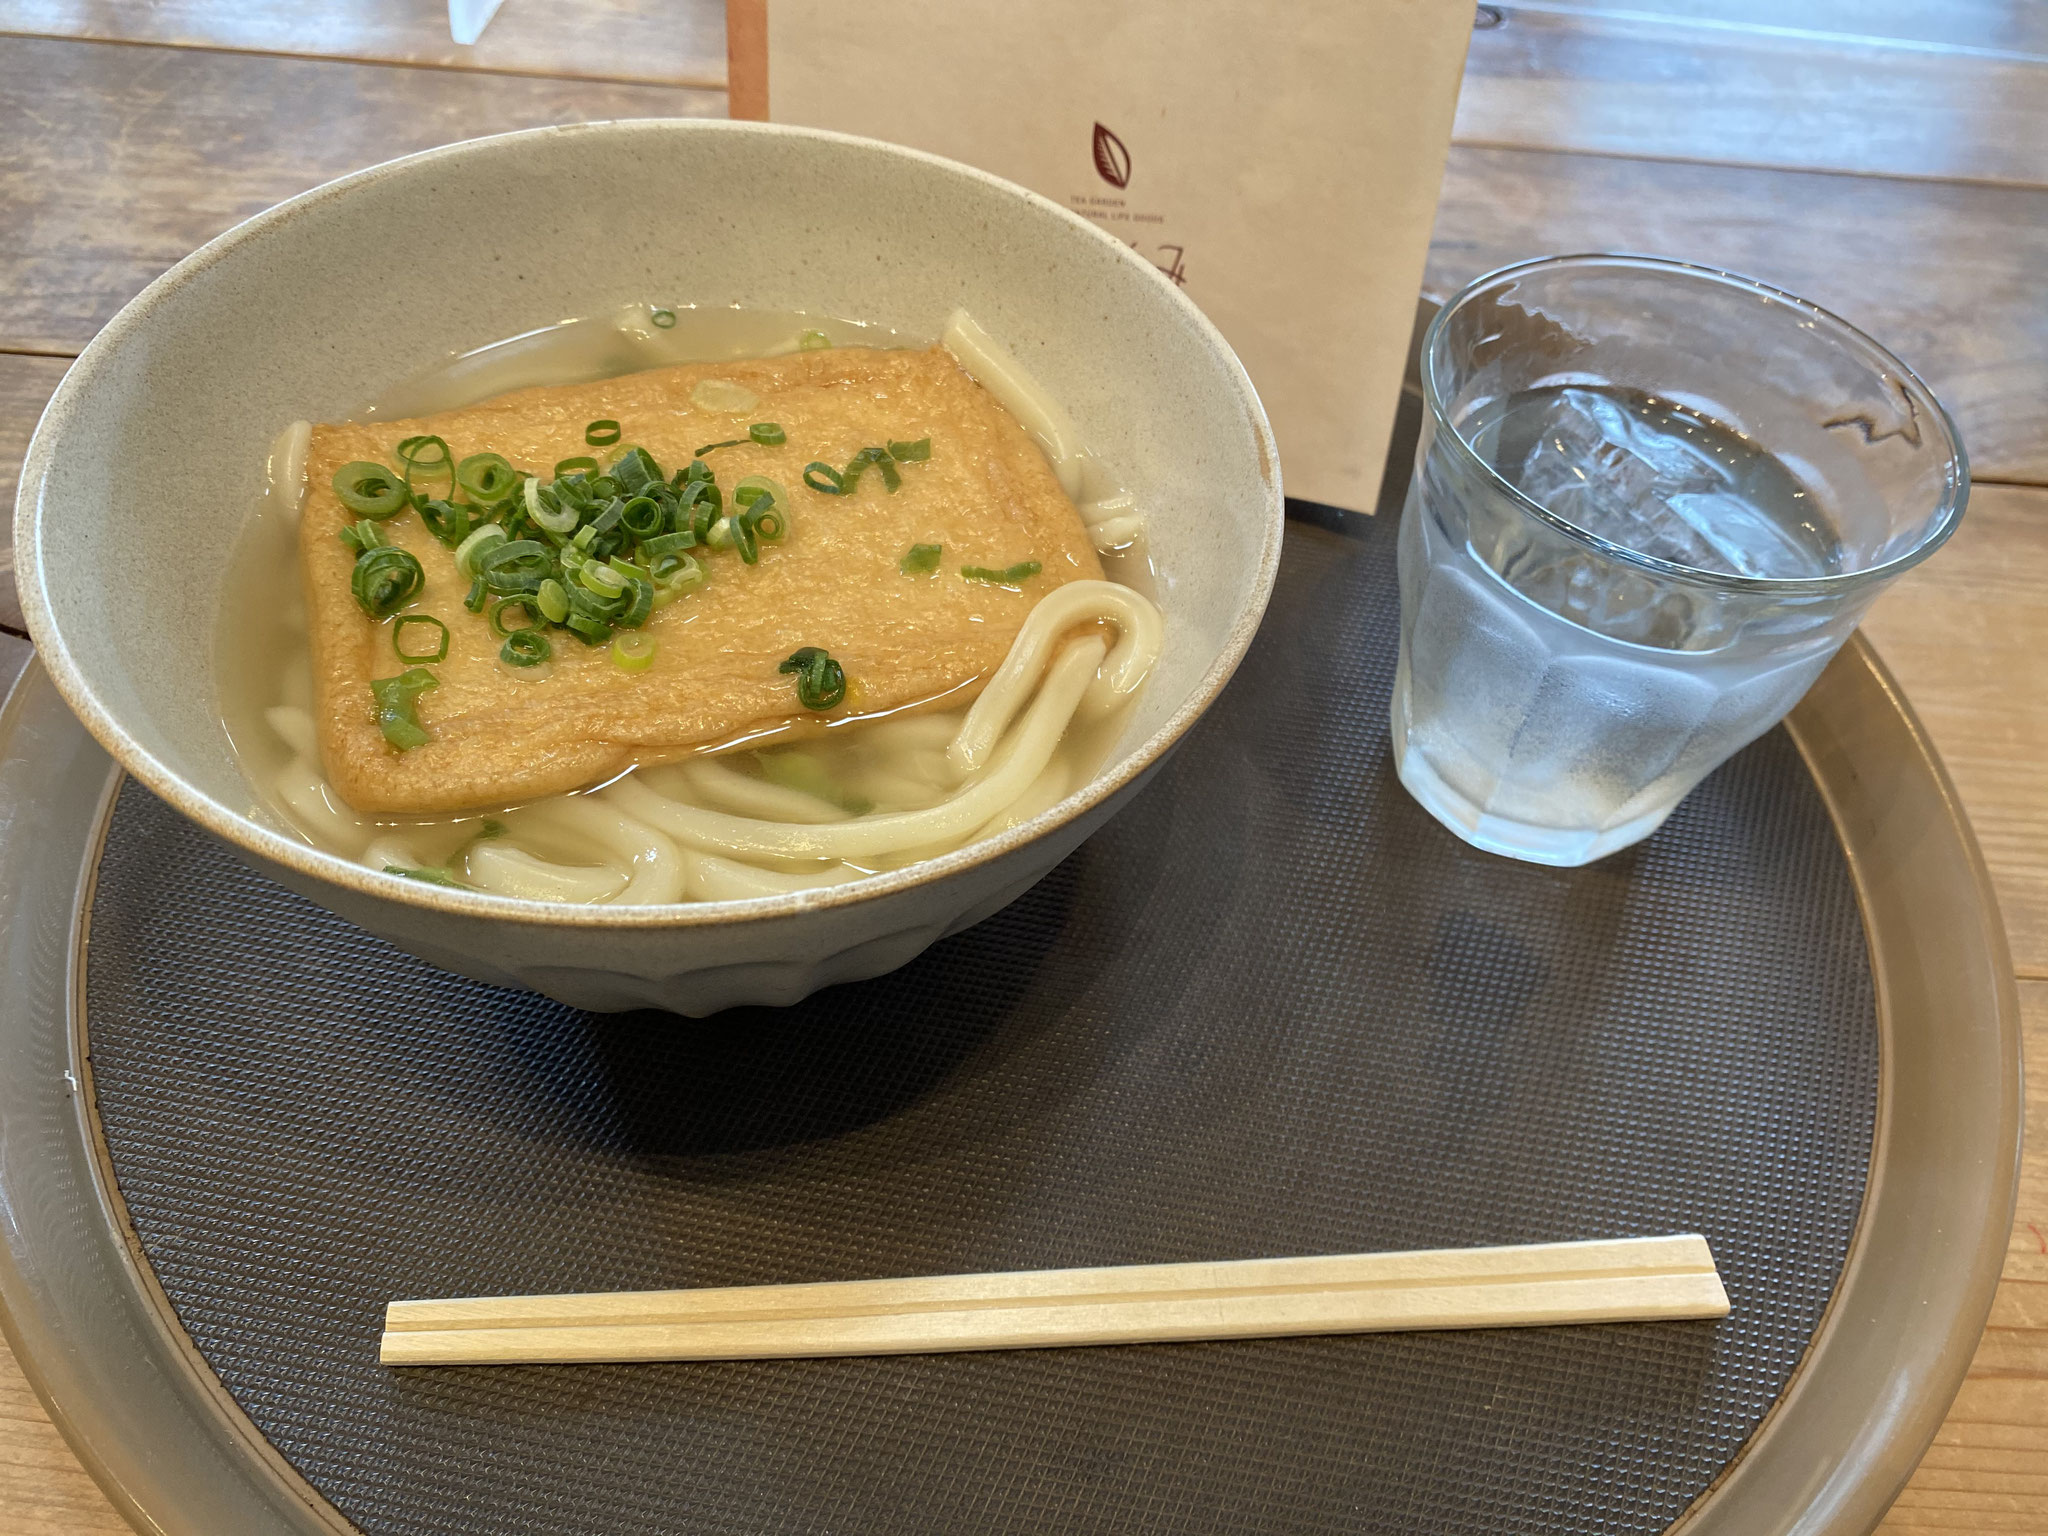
point(911, 453)
point(487, 478)
point(535, 615)
point(824, 479)
point(813, 341)
point(857, 466)
point(553, 518)
point(514, 568)
point(768, 433)
point(431, 875)
point(477, 597)
point(760, 501)
point(447, 521)
point(1010, 576)
point(601, 579)
point(397, 706)
point(706, 516)
point(525, 648)
point(633, 653)
point(849, 481)
point(667, 544)
point(663, 318)
point(756, 488)
point(766, 520)
point(369, 490)
point(820, 681)
point(730, 442)
point(429, 457)
point(385, 580)
point(601, 434)
point(553, 598)
point(921, 559)
point(585, 537)
point(467, 551)
point(635, 471)
point(439, 653)
point(643, 517)
point(673, 576)
point(640, 605)
point(582, 600)
point(585, 608)
point(576, 466)
point(361, 536)
point(698, 503)
point(414, 451)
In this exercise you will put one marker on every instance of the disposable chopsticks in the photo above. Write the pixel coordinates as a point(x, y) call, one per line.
point(1638, 1279)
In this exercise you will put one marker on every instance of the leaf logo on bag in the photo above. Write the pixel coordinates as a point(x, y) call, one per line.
point(1112, 160)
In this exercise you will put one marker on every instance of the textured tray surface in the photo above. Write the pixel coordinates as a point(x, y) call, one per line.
point(1271, 1009)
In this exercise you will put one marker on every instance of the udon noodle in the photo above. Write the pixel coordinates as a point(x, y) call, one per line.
point(787, 809)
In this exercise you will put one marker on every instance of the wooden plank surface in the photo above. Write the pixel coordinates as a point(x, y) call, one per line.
point(667, 44)
point(1953, 278)
point(1987, 1470)
point(1966, 634)
point(2017, 28)
point(1623, 84)
point(43, 1489)
point(121, 159)
point(26, 384)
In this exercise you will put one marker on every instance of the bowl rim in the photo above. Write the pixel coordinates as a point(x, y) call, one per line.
point(304, 859)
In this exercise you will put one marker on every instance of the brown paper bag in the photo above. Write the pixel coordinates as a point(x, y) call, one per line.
point(1280, 161)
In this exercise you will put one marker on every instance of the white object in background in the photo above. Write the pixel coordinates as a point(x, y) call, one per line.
point(468, 18)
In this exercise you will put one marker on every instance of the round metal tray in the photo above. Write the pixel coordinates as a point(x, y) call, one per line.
point(90, 1322)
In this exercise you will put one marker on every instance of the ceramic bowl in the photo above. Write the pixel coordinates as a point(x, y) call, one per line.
point(135, 484)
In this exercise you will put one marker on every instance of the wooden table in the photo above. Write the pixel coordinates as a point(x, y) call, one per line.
point(1886, 158)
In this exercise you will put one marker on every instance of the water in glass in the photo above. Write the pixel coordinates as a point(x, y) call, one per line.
point(1554, 703)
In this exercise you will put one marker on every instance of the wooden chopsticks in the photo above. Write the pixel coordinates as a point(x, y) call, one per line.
point(1639, 1279)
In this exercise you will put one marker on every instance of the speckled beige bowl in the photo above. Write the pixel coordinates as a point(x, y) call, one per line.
point(136, 482)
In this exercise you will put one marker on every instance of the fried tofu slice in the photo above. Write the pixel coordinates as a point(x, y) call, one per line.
point(499, 737)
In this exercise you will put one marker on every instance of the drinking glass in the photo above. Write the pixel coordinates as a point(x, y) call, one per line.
point(1650, 502)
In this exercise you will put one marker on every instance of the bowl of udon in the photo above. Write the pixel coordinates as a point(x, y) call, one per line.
point(674, 564)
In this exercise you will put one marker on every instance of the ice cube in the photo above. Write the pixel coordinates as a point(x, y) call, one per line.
point(1613, 474)
point(1613, 600)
